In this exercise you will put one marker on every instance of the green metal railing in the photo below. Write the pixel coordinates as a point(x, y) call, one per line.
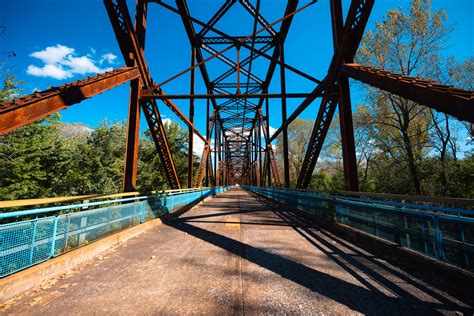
point(443, 233)
point(59, 229)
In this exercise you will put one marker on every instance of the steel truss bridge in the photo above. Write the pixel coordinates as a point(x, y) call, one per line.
point(237, 117)
point(260, 247)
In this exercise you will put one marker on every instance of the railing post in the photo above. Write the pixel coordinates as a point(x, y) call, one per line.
point(33, 240)
point(423, 233)
point(439, 240)
point(53, 237)
point(66, 236)
point(82, 236)
point(407, 235)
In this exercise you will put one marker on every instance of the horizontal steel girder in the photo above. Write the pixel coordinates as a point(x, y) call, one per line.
point(147, 95)
point(222, 40)
point(456, 102)
point(133, 55)
point(25, 110)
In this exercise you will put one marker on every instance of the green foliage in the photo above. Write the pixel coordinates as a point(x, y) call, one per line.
point(298, 132)
point(10, 88)
point(54, 159)
point(98, 160)
point(151, 175)
point(33, 161)
point(403, 147)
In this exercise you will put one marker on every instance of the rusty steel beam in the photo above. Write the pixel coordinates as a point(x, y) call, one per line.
point(320, 129)
point(202, 166)
point(286, 155)
point(283, 30)
point(190, 31)
point(265, 174)
point(349, 160)
point(150, 94)
point(158, 135)
point(273, 164)
point(241, 43)
point(348, 44)
point(456, 102)
point(133, 122)
point(191, 121)
point(233, 85)
point(158, 93)
point(212, 179)
point(275, 58)
point(25, 110)
point(215, 40)
point(216, 17)
point(233, 65)
point(132, 141)
point(319, 91)
point(255, 12)
point(132, 52)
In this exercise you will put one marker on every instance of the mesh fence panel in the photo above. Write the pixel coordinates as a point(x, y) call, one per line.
point(25, 243)
point(446, 237)
point(28, 242)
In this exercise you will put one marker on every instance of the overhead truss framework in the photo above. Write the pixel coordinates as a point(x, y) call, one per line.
point(237, 141)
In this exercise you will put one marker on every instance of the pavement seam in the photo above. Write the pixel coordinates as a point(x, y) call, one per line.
point(241, 261)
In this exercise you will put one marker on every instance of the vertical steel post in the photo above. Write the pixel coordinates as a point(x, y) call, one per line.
point(208, 138)
point(216, 144)
point(133, 126)
point(191, 119)
point(252, 178)
point(269, 171)
point(345, 108)
point(133, 134)
point(260, 169)
point(286, 165)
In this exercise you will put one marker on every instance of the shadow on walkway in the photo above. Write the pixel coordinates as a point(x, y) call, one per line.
point(368, 299)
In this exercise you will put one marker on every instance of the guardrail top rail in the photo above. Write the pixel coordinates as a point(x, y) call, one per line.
point(440, 232)
point(24, 243)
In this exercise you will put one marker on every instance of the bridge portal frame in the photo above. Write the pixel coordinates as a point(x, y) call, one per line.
point(238, 149)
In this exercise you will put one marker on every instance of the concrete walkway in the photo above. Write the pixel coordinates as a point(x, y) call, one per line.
point(236, 254)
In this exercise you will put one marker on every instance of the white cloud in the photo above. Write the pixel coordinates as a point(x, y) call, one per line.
point(109, 58)
point(82, 65)
point(61, 62)
point(271, 131)
point(52, 71)
point(53, 54)
point(198, 145)
point(166, 121)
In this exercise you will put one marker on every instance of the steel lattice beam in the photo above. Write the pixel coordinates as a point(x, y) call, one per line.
point(216, 40)
point(456, 102)
point(25, 110)
point(354, 27)
point(320, 129)
point(133, 56)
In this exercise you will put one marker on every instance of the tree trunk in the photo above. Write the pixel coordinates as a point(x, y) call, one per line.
point(411, 162)
point(444, 180)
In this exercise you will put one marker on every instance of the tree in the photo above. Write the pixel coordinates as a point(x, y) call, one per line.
point(298, 134)
point(151, 175)
point(410, 44)
point(10, 88)
point(33, 162)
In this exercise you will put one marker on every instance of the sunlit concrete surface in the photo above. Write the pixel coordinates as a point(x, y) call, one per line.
point(237, 254)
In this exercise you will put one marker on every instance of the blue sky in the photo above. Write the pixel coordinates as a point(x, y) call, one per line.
point(87, 45)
